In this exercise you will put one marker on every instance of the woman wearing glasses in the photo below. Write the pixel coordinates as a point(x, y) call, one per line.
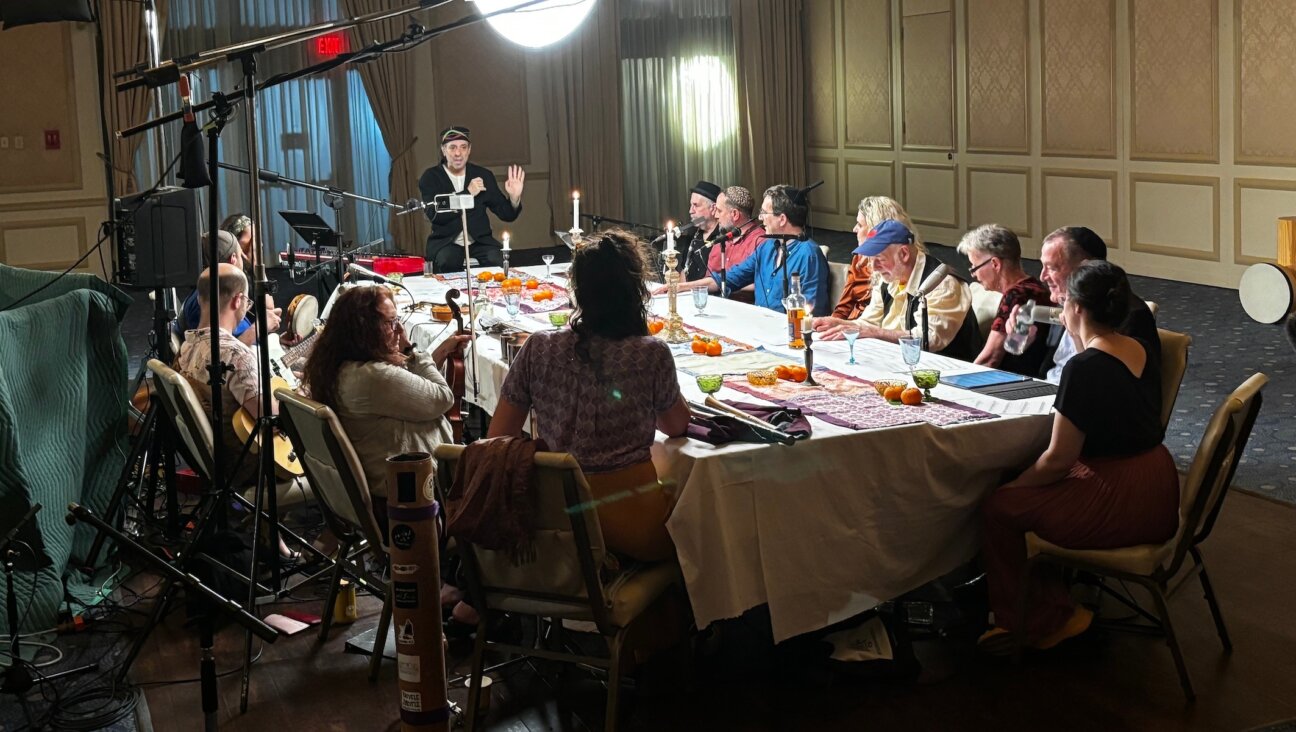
point(390, 397)
point(995, 255)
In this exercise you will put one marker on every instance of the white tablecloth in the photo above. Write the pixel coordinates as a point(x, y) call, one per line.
point(829, 527)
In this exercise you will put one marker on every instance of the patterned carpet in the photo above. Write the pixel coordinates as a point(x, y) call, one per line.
point(1227, 348)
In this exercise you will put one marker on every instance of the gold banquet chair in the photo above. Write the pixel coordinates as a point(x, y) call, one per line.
point(337, 477)
point(1174, 363)
point(1154, 566)
point(563, 581)
point(838, 274)
point(985, 305)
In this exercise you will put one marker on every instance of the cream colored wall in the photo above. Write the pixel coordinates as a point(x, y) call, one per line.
point(478, 80)
point(1168, 126)
point(51, 202)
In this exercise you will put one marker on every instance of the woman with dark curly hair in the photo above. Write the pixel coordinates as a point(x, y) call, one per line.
point(1105, 480)
point(390, 397)
point(601, 390)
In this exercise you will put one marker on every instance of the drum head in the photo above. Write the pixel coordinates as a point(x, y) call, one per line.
point(1266, 291)
point(303, 312)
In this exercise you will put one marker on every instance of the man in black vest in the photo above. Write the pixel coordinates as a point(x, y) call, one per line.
point(892, 312)
point(456, 175)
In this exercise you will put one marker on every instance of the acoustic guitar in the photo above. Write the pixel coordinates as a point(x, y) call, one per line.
point(286, 463)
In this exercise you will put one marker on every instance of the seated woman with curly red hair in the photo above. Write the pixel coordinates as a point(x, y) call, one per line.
point(390, 397)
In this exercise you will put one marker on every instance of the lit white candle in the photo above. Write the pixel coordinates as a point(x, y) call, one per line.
point(575, 209)
point(506, 241)
point(670, 236)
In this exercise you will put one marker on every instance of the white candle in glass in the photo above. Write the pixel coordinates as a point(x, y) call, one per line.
point(575, 209)
point(506, 241)
point(670, 236)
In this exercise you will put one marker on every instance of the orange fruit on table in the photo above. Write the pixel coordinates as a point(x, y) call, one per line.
point(714, 348)
point(656, 326)
point(783, 372)
point(911, 396)
point(799, 373)
point(699, 346)
point(532, 284)
point(893, 393)
point(499, 276)
point(483, 276)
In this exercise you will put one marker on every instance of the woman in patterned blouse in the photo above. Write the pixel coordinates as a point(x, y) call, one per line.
point(601, 390)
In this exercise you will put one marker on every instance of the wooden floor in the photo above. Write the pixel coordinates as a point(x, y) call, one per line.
point(1129, 682)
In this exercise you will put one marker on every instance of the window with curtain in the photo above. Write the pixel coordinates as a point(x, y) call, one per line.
point(319, 129)
point(678, 102)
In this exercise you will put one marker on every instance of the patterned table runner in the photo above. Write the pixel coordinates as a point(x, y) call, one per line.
point(495, 292)
point(854, 403)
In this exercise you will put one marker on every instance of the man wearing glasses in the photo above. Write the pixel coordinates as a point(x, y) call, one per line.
point(787, 250)
point(995, 255)
point(892, 312)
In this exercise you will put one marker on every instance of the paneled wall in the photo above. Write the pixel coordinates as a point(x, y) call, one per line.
point(1168, 126)
point(52, 196)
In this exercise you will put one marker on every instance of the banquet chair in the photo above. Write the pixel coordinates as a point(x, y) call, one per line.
point(1174, 363)
point(1154, 566)
point(986, 305)
point(838, 272)
point(337, 477)
point(1153, 307)
point(562, 581)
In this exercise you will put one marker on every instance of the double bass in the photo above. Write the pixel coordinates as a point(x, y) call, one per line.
point(455, 373)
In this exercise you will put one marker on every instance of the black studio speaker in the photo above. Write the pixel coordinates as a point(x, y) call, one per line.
point(14, 13)
point(159, 241)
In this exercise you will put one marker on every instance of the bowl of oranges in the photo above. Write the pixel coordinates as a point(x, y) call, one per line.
point(898, 392)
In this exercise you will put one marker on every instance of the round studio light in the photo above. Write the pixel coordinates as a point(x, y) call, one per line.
point(539, 24)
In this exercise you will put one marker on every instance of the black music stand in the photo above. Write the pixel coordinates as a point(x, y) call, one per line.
point(317, 233)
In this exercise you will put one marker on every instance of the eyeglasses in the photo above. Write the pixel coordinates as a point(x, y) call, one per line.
point(763, 212)
point(979, 266)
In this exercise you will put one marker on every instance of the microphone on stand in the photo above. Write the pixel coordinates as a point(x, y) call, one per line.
point(193, 157)
point(933, 281)
point(366, 273)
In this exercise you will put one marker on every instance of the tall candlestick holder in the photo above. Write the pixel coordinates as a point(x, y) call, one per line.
point(577, 237)
point(505, 252)
point(674, 331)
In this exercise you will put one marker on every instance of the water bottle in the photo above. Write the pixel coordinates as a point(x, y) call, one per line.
point(1015, 343)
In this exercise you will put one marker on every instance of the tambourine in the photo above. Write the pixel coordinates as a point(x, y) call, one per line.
point(303, 312)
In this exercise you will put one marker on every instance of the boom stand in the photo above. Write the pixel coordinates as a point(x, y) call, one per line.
point(212, 602)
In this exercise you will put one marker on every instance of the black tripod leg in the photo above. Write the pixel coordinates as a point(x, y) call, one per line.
point(207, 672)
point(159, 610)
point(138, 456)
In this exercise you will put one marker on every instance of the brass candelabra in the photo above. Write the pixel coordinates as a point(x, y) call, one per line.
point(674, 331)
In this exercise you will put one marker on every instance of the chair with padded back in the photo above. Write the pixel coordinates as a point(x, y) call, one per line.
point(1174, 363)
point(189, 419)
point(1152, 306)
point(563, 580)
point(337, 477)
point(838, 273)
point(1154, 566)
point(985, 304)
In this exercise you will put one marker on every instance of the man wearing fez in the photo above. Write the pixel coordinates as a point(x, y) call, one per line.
point(456, 175)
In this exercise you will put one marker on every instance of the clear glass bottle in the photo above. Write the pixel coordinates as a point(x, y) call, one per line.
point(795, 305)
point(1027, 315)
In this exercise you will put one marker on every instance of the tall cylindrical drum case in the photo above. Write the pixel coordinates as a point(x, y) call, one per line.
point(416, 591)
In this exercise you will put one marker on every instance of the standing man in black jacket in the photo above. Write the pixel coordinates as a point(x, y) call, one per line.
point(456, 175)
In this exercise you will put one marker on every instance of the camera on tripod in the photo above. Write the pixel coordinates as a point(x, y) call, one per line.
point(452, 202)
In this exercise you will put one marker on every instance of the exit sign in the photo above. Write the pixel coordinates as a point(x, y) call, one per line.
point(331, 45)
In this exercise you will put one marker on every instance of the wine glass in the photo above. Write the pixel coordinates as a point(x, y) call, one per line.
point(513, 301)
point(700, 298)
point(911, 351)
point(558, 318)
point(851, 333)
point(548, 260)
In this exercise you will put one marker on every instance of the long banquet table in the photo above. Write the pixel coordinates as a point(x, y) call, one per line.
point(831, 526)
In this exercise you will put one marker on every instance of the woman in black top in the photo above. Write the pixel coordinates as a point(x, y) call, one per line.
point(1105, 480)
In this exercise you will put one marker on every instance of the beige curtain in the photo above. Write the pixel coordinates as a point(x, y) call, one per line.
point(125, 46)
point(583, 113)
point(389, 81)
point(771, 91)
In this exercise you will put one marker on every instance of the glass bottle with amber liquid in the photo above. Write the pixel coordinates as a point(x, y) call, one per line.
point(795, 305)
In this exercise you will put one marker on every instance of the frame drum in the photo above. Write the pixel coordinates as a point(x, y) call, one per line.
point(302, 313)
point(1267, 292)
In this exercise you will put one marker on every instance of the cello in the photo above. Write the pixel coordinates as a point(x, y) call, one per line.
point(455, 372)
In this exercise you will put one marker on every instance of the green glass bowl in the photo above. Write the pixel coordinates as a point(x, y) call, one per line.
point(926, 378)
point(710, 383)
point(558, 319)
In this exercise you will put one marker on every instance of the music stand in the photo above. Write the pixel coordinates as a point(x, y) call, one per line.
point(317, 233)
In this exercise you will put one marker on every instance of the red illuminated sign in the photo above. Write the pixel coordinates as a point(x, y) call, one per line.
point(330, 45)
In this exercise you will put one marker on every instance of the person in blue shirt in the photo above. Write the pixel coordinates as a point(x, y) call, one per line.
point(767, 272)
point(228, 250)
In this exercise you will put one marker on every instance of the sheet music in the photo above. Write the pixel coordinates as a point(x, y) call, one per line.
point(884, 355)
